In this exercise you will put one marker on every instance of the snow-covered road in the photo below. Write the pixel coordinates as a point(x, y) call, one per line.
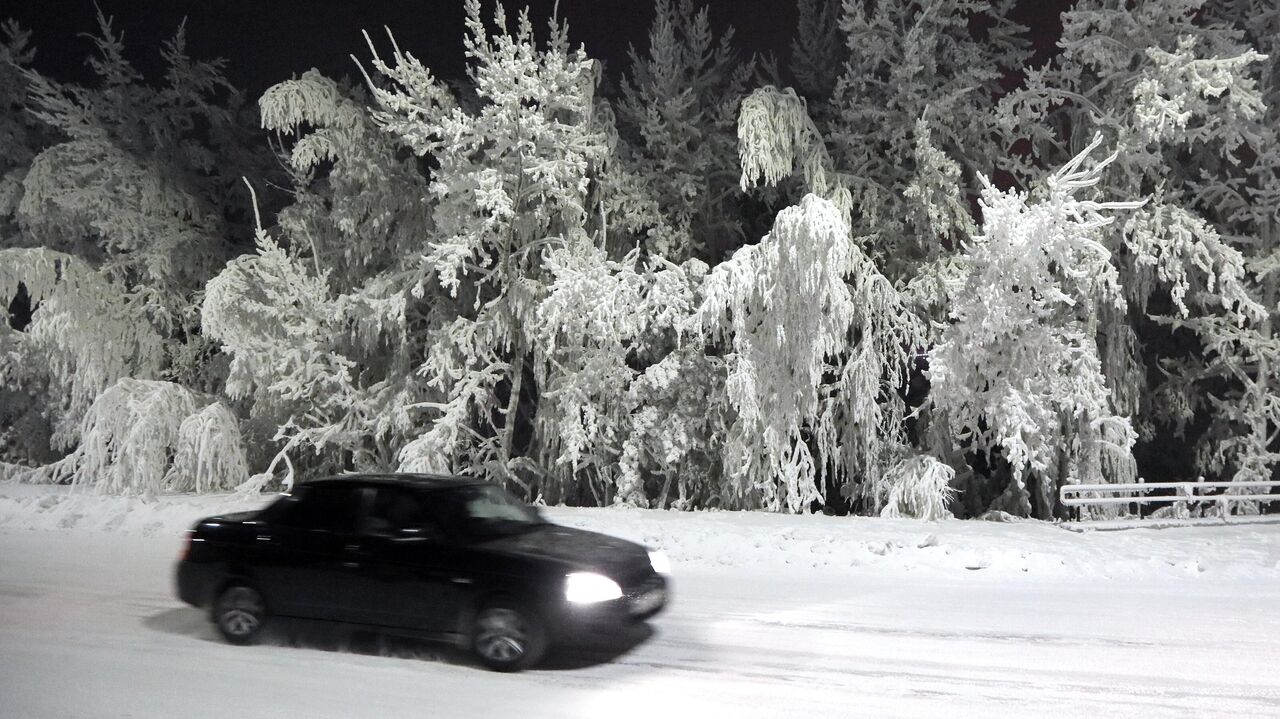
point(89, 628)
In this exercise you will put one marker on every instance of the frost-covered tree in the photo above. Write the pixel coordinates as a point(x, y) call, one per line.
point(336, 284)
point(128, 191)
point(24, 428)
point(638, 435)
point(679, 416)
point(818, 50)
point(919, 488)
point(21, 134)
point(897, 147)
point(1238, 382)
point(1017, 367)
point(134, 187)
point(320, 366)
point(1173, 87)
point(144, 437)
point(511, 185)
point(86, 333)
point(820, 343)
point(359, 202)
point(908, 124)
point(913, 120)
point(124, 215)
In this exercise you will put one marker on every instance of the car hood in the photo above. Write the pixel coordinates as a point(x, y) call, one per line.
point(233, 517)
point(579, 547)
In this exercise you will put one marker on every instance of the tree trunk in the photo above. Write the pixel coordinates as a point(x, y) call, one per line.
point(1261, 387)
point(513, 407)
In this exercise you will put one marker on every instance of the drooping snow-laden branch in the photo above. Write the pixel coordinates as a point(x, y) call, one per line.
point(804, 303)
point(1017, 368)
point(776, 137)
point(145, 436)
point(87, 332)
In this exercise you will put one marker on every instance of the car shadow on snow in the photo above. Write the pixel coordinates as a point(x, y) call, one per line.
point(183, 621)
point(328, 636)
point(597, 648)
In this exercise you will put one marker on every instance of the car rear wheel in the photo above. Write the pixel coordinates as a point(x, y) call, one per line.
point(240, 613)
point(507, 637)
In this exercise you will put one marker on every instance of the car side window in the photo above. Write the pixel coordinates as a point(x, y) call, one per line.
point(395, 509)
point(331, 509)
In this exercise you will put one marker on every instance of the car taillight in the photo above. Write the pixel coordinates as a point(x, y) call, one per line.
point(186, 547)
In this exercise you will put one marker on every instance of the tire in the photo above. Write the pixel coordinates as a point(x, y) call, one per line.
point(507, 638)
point(240, 613)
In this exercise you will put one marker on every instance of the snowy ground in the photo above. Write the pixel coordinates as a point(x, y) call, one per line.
point(773, 617)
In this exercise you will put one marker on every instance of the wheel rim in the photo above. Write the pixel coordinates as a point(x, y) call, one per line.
point(241, 611)
point(502, 636)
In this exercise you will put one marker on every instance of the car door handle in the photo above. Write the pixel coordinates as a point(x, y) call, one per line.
point(349, 550)
point(461, 580)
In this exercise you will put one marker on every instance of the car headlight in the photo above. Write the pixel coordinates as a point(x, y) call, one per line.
point(659, 562)
point(589, 588)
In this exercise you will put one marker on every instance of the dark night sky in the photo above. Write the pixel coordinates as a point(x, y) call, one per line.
point(266, 41)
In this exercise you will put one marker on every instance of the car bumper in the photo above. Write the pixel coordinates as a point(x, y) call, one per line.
point(194, 582)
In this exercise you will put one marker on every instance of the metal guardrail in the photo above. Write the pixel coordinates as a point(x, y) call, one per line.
point(1185, 493)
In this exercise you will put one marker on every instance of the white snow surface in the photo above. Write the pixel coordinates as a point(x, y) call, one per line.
point(772, 616)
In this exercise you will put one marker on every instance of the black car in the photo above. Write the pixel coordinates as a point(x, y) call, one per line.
point(439, 557)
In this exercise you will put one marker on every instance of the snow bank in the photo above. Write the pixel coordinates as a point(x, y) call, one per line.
point(34, 506)
point(729, 540)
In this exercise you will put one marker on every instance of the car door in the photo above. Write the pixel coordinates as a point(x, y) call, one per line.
point(409, 572)
point(306, 567)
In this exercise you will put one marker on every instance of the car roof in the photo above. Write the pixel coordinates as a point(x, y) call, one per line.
point(409, 479)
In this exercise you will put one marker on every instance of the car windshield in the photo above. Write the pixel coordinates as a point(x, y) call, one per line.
point(490, 510)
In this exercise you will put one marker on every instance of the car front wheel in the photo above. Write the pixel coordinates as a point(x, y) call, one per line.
point(240, 613)
point(507, 638)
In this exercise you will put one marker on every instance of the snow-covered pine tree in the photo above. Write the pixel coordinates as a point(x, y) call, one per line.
point(818, 50)
point(1017, 368)
point(1238, 382)
point(906, 129)
point(676, 117)
point(21, 135)
point(24, 427)
point(912, 124)
point(134, 186)
point(1172, 87)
